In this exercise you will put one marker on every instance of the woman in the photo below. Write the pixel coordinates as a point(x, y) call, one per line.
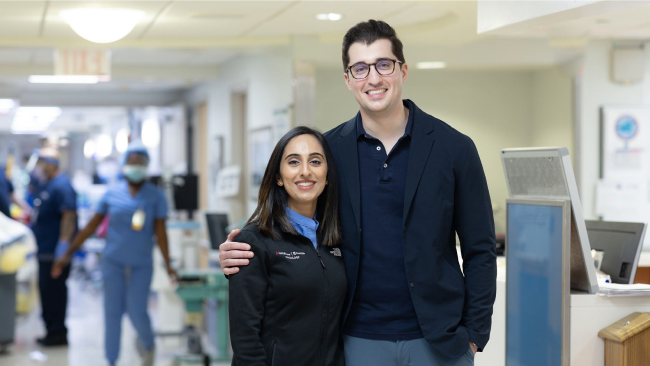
point(137, 211)
point(285, 306)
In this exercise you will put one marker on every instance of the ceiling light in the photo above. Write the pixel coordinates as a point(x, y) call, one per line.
point(104, 146)
point(329, 16)
point(122, 140)
point(150, 132)
point(431, 65)
point(6, 105)
point(34, 119)
point(102, 25)
point(64, 79)
point(89, 148)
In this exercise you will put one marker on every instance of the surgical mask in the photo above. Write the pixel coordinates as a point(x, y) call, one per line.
point(135, 173)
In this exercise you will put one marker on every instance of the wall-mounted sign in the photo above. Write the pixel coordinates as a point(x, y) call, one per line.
point(83, 62)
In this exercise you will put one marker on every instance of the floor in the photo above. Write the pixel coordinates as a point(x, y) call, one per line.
point(85, 336)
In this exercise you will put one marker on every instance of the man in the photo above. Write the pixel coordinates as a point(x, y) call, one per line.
point(8, 196)
point(54, 222)
point(409, 183)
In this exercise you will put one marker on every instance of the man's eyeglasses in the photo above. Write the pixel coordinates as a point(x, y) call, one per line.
point(361, 70)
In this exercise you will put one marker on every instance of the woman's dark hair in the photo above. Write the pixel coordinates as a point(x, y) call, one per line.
point(369, 32)
point(272, 201)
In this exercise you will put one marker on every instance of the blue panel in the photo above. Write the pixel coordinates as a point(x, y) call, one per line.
point(534, 286)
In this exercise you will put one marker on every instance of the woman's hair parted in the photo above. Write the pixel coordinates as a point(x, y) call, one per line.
point(272, 201)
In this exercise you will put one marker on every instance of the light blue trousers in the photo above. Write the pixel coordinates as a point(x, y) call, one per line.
point(417, 352)
point(126, 289)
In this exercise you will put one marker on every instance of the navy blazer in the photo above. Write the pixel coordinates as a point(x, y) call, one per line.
point(446, 194)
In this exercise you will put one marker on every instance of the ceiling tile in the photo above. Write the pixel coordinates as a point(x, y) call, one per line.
point(15, 55)
point(212, 19)
point(301, 19)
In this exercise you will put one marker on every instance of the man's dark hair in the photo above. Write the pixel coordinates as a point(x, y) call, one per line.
point(272, 202)
point(369, 32)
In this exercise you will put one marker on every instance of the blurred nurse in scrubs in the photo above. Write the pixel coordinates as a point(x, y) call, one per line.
point(137, 212)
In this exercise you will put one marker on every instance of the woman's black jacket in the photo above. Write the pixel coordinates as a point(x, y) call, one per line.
point(285, 306)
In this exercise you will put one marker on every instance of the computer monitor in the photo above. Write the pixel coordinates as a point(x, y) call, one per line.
point(217, 224)
point(184, 190)
point(621, 242)
point(546, 173)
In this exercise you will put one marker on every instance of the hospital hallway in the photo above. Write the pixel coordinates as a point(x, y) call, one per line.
point(85, 336)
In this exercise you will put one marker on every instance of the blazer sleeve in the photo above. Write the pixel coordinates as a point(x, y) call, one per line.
point(474, 224)
point(247, 291)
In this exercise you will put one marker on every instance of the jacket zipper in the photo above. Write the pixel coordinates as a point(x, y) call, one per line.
point(324, 316)
point(319, 257)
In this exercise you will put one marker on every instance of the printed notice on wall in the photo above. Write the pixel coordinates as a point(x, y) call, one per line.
point(623, 193)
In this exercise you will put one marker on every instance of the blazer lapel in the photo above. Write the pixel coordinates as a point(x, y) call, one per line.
point(421, 143)
point(348, 160)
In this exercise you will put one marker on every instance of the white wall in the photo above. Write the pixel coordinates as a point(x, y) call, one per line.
point(497, 109)
point(335, 104)
point(267, 81)
point(596, 90)
point(552, 109)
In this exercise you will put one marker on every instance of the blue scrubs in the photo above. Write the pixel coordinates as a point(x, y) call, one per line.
point(51, 200)
point(6, 188)
point(127, 265)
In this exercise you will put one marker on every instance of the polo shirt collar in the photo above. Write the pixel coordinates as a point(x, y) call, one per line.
point(408, 131)
point(300, 220)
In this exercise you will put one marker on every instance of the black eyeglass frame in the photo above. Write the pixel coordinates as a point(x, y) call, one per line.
point(395, 62)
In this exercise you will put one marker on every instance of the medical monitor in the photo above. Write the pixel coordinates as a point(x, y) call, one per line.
point(546, 173)
point(621, 242)
point(217, 224)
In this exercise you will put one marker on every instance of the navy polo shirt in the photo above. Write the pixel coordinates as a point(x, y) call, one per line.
point(382, 308)
point(51, 200)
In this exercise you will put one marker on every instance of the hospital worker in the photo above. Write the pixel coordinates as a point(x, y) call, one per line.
point(137, 211)
point(54, 223)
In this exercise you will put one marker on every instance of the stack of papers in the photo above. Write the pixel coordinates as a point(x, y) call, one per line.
point(617, 289)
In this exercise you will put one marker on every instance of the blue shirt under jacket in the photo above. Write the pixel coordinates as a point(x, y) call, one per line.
point(124, 244)
point(304, 225)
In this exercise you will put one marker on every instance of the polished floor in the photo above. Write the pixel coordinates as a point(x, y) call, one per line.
point(86, 336)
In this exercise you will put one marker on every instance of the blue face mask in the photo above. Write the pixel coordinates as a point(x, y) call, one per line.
point(135, 173)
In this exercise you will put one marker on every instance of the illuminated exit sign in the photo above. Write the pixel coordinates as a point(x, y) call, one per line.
point(83, 62)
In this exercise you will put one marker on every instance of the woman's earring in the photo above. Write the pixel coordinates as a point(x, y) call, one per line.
point(280, 183)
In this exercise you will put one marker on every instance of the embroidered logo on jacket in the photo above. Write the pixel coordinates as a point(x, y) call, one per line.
point(336, 252)
point(291, 255)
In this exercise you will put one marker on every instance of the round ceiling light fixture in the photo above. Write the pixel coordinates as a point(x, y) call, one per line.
point(102, 25)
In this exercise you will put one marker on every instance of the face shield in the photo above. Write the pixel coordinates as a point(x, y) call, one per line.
point(31, 163)
point(41, 161)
